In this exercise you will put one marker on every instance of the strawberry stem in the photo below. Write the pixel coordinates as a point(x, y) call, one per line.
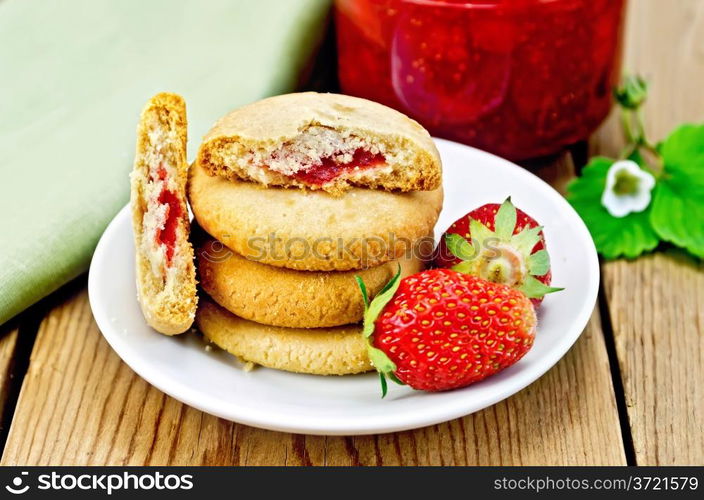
point(631, 97)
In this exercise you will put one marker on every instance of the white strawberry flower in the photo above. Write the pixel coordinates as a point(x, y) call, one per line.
point(628, 189)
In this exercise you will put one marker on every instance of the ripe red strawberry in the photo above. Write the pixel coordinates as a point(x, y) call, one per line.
point(440, 329)
point(502, 244)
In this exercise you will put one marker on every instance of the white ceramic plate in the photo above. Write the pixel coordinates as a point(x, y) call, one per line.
point(216, 383)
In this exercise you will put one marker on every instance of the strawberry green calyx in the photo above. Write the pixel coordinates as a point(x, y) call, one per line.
point(379, 359)
point(501, 256)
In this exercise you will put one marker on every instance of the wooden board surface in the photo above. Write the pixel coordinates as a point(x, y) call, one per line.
point(81, 405)
point(8, 344)
point(657, 312)
point(656, 303)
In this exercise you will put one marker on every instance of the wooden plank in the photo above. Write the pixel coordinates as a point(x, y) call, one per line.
point(655, 302)
point(81, 405)
point(8, 345)
point(658, 320)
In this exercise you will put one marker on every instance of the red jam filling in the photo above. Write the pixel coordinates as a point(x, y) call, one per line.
point(167, 235)
point(328, 169)
point(160, 174)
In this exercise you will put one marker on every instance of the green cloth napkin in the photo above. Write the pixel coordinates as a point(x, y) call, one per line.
point(75, 75)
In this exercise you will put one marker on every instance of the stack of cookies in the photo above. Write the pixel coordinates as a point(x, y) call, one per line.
point(296, 195)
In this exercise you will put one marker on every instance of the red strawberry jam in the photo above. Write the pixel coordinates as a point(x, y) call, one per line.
point(167, 235)
point(328, 169)
point(520, 78)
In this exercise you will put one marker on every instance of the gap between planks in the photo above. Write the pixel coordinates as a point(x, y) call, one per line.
point(655, 302)
point(17, 338)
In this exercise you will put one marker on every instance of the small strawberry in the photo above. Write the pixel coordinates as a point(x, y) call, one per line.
point(440, 329)
point(501, 244)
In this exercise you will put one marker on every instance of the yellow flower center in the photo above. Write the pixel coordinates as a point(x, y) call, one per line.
point(626, 183)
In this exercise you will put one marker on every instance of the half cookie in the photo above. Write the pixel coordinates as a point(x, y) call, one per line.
point(322, 141)
point(284, 297)
point(312, 230)
point(319, 351)
point(166, 283)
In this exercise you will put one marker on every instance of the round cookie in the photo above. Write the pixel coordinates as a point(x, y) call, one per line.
point(319, 351)
point(285, 297)
point(296, 139)
point(311, 230)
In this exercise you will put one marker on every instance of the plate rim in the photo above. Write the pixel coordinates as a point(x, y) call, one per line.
point(456, 408)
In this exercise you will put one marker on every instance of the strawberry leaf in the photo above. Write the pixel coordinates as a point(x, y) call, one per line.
point(466, 267)
point(627, 236)
point(392, 376)
point(526, 239)
point(534, 289)
point(363, 289)
point(392, 283)
point(383, 365)
point(459, 247)
point(677, 214)
point(539, 263)
point(683, 150)
point(380, 360)
point(482, 236)
point(384, 385)
point(372, 311)
point(505, 220)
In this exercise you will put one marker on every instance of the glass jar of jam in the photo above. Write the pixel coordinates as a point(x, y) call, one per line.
point(519, 78)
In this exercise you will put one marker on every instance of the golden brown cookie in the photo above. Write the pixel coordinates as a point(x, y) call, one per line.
point(312, 230)
point(320, 351)
point(166, 283)
point(322, 141)
point(284, 297)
